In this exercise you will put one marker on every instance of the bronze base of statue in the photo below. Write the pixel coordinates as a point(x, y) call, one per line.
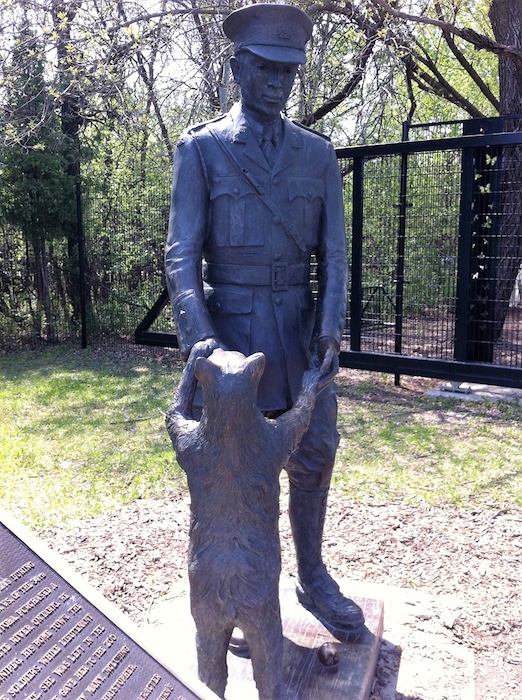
point(315, 663)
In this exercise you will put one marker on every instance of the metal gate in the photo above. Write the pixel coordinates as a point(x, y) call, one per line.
point(435, 230)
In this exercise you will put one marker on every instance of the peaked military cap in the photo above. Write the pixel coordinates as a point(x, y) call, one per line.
point(275, 32)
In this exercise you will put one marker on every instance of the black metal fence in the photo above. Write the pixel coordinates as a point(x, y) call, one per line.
point(435, 228)
point(124, 267)
point(435, 231)
point(117, 253)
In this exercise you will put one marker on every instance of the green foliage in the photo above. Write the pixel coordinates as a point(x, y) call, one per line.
point(126, 233)
point(129, 80)
point(37, 202)
point(36, 191)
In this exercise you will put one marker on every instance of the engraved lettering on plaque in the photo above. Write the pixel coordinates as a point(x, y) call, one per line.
point(150, 687)
point(55, 644)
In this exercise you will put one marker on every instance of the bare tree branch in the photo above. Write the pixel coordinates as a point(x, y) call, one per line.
point(429, 84)
point(148, 16)
point(211, 83)
point(149, 84)
point(470, 70)
point(480, 41)
point(351, 84)
point(439, 85)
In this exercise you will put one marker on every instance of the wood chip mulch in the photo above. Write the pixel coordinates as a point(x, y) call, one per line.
point(136, 555)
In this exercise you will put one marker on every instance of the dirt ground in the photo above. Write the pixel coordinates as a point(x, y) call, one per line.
point(456, 575)
point(136, 555)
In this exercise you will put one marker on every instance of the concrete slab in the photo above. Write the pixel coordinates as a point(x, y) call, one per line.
point(419, 659)
point(173, 629)
point(467, 391)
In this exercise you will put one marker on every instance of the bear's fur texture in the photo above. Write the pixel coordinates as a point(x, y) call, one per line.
point(233, 457)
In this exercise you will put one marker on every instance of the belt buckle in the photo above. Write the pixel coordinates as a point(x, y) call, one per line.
point(279, 277)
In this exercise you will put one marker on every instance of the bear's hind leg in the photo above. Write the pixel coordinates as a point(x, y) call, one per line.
point(265, 642)
point(212, 647)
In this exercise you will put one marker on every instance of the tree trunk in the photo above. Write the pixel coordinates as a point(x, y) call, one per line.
point(506, 22)
point(63, 13)
point(43, 294)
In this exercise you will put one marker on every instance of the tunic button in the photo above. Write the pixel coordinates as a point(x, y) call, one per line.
point(236, 190)
point(276, 180)
point(276, 220)
point(278, 301)
point(188, 330)
point(277, 256)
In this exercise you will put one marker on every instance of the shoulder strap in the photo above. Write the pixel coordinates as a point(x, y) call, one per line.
point(288, 227)
point(310, 130)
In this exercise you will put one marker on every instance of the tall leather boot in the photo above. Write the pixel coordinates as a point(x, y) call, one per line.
point(316, 590)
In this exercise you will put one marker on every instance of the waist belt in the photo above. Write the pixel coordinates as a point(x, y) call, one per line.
point(278, 276)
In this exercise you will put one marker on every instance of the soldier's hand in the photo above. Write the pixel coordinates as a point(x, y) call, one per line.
point(325, 354)
point(204, 348)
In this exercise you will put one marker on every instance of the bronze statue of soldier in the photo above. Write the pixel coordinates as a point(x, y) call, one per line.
point(254, 197)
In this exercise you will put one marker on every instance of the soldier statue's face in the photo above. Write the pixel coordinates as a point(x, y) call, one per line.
point(265, 85)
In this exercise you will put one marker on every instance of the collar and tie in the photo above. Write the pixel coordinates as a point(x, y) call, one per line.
point(268, 136)
point(269, 144)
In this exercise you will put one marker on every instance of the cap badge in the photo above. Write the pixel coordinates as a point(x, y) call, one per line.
point(284, 31)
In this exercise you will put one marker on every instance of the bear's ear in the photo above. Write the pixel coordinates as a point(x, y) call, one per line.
point(255, 365)
point(205, 371)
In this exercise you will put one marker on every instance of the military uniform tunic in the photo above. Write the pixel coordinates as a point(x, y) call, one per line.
point(256, 228)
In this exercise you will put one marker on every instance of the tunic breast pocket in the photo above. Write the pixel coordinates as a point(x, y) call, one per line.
point(306, 195)
point(231, 311)
point(237, 218)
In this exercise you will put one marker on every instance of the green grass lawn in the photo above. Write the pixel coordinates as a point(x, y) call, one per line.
point(404, 445)
point(83, 431)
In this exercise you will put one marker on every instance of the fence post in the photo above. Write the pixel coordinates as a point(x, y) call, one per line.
point(357, 249)
point(81, 261)
point(401, 247)
point(480, 195)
